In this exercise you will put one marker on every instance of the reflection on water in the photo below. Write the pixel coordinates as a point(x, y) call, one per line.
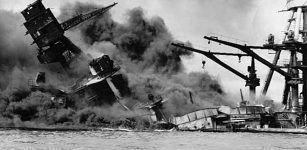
point(97, 140)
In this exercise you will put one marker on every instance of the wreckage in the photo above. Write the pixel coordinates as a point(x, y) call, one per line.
point(218, 119)
point(53, 46)
point(48, 33)
point(99, 88)
point(105, 85)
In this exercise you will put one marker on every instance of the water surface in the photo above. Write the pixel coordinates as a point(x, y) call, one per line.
point(117, 140)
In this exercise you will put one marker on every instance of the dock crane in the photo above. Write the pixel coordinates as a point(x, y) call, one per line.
point(291, 76)
point(252, 81)
point(294, 41)
point(48, 33)
point(247, 49)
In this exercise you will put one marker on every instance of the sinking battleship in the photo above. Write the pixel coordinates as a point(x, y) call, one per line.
point(104, 85)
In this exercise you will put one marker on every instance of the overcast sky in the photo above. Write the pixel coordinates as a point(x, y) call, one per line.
point(190, 20)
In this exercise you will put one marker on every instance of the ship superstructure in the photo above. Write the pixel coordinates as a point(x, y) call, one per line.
point(48, 33)
point(103, 86)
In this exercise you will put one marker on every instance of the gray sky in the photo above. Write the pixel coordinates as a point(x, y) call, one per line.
point(190, 20)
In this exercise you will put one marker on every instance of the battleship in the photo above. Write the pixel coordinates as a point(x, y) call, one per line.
point(104, 85)
point(54, 46)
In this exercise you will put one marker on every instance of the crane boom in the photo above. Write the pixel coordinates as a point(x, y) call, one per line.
point(248, 51)
point(229, 54)
point(252, 81)
point(83, 17)
point(215, 59)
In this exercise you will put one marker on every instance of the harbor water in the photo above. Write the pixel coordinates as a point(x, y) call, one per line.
point(117, 140)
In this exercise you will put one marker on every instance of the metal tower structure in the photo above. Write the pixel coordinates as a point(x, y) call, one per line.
point(295, 42)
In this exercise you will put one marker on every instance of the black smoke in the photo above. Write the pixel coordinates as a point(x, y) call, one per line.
point(141, 46)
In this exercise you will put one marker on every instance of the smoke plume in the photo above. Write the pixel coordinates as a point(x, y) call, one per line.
point(141, 46)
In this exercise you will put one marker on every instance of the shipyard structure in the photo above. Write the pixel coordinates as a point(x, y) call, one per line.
point(294, 71)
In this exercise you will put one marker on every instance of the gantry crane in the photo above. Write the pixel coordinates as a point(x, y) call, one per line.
point(252, 81)
point(48, 33)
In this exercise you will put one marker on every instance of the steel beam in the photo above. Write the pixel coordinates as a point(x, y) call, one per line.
point(248, 51)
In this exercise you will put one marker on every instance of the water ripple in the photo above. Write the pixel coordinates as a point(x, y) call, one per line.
point(96, 140)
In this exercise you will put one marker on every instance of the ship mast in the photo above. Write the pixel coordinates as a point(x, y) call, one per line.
point(295, 42)
point(48, 33)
